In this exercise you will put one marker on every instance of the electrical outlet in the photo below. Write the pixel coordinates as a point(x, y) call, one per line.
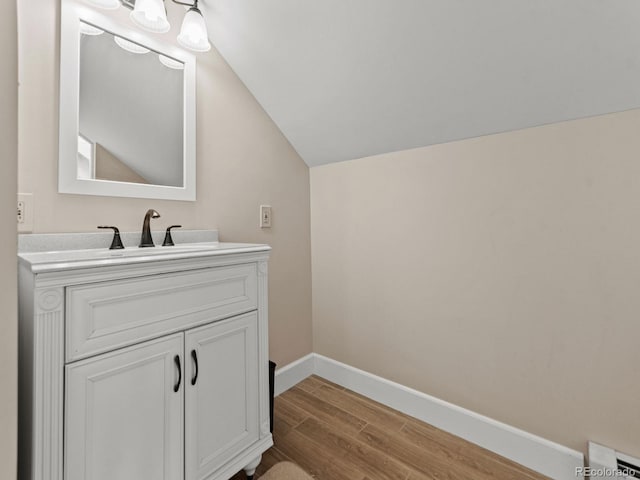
point(265, 216)
point(20, 211)
point(25, 212)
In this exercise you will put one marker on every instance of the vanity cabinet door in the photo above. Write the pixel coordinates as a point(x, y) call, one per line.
point(123, 418)
point(221, 393)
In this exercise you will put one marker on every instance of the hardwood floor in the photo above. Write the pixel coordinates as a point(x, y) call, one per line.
point(336, 434)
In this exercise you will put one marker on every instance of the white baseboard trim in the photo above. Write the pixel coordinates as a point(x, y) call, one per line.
point(548, 458)
point(293, 373)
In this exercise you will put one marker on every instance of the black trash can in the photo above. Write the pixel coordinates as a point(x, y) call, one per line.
point(272, 373)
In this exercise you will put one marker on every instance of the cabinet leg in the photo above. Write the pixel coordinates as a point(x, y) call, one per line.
point(250, 469)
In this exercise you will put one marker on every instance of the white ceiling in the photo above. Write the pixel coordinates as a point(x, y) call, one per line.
point(345, 79)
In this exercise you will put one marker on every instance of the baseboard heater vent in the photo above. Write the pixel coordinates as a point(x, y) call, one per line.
point(632, 470)
point(607, 464)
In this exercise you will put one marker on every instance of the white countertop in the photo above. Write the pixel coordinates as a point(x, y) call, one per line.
point(70, 258)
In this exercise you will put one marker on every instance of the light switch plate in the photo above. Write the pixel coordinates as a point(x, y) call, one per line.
point(265, 216)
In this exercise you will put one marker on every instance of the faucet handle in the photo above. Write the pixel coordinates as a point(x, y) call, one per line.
point(168, 241)
point(116, 243)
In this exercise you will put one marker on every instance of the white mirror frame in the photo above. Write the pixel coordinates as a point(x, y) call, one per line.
point(68, 182)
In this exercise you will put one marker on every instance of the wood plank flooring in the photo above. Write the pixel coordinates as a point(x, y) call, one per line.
point(336, 434)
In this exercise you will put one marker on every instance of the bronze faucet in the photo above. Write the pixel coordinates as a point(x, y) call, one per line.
point(147, 240)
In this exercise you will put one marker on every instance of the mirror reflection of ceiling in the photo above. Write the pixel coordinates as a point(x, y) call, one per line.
point(349, 79)
point(131, 105)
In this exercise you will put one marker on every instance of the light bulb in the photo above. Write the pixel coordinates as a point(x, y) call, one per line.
point(106, 4)
point(193, 34)
point(150, 15)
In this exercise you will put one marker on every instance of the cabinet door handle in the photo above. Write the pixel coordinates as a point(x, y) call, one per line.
point(194, 356)
point(176, 359)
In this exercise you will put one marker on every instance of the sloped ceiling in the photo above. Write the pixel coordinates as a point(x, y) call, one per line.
point(345, 79)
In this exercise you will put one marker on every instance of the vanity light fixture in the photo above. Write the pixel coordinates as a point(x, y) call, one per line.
point(151, 15)
point(193, 34)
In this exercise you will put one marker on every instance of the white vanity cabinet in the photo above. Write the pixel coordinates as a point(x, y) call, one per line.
point(144, 367)
point(122, 416)
point(223, 397)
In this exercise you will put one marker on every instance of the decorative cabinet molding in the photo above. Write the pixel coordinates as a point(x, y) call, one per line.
point(108, 315)
point(48, 382)
point(223, 359)
point(262, 268)
point(123, 415)
point(49, 300)
point(103, 347)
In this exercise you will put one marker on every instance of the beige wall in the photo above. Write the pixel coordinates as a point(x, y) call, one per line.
point(243, 161)
point(8, 293)
point(499, 273)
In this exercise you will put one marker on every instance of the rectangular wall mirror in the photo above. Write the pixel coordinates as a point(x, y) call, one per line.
point(127, 111)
